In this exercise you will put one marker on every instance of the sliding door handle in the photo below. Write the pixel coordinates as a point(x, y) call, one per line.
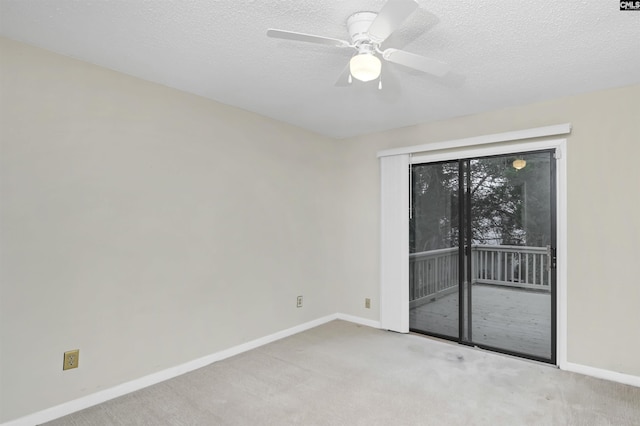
point(551, 258)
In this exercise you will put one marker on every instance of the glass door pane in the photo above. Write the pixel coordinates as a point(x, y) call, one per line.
point(434, 249)
point(511, 237)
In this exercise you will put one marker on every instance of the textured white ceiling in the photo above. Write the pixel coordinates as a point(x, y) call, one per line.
point(502, 53)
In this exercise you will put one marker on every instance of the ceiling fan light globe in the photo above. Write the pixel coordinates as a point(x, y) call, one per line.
point(365, 67)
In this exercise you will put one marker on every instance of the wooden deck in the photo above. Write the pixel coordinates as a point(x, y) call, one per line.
point(506, 318)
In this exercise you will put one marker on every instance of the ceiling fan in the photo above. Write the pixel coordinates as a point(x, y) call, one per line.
point(367, 31)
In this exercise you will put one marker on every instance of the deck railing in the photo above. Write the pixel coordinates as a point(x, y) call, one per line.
point(514, 266)
point(434, 273)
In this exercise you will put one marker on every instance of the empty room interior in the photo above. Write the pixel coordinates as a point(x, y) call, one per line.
point(319, 212)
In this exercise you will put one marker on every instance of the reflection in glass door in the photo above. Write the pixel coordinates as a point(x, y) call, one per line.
point(482, 265)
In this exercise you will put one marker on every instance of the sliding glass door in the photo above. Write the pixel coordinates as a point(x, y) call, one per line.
point(434, 238)
point(482, 258)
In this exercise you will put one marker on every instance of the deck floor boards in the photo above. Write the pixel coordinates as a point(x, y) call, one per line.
point(507, 318)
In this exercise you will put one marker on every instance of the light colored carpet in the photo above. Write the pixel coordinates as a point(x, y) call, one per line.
point(345, 374)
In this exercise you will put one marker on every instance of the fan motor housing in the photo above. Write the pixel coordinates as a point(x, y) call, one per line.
point(358, 25)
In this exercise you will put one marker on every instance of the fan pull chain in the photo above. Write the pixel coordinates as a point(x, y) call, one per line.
point(350, 80)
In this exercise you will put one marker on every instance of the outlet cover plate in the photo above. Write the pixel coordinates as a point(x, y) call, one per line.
point(71, 359)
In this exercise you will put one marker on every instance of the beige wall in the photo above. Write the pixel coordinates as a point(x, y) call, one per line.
point(603, 204)
point(147, 227)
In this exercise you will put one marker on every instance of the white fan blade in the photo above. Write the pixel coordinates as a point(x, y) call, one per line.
point(291, 35)
point(420, 63)
point(391, 16)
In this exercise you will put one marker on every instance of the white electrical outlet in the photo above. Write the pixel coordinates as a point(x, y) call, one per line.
point(299, 302)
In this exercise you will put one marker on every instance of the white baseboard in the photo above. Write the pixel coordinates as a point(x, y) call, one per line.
point(358, 320)
point(614, 376)
point(143, 382)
